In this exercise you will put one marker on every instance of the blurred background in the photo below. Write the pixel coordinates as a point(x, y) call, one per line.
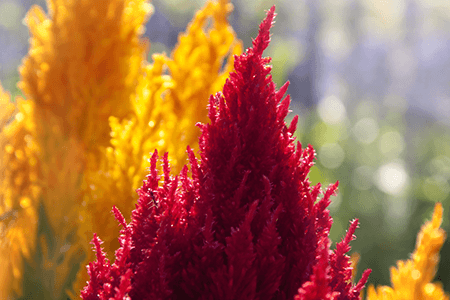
point(370, 80)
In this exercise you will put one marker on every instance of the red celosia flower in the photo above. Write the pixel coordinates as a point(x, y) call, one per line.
point(246, 224)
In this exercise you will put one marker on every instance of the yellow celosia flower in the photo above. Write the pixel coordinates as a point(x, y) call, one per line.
point(84, 63)
point(18, 192)
point(7, 107)
point(165, 111)
point(83, 67)
point(195, 67)
point(411, 280)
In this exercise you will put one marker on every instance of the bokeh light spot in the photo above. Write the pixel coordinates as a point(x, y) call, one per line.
point(331, 110)
point(366, 130)
point(335, 42)
point(440, 165)
point(436, 188)
point(391, 144)
point(10, 14)
point(331, 156)
point(392, 178)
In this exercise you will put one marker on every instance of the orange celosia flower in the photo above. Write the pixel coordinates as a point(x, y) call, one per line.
point(165, 110)
point(84, 63)
point(195, 66)
point(412, 278)
point(82, 67)
point(18, 192)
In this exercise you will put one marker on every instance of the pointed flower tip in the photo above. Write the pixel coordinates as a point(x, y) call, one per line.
point(350, 232)
point(362, 282)
point(437, 215)
point(354, 224)
point(119, 217)
point(262, 40)
point(94, 239)
point(96, 242)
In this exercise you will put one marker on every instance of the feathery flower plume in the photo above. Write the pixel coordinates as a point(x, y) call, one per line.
point(18, 214)
point(247, 224)
point(165, 109)
point(19, 190)
point(82, 67)
point(412, 278)
point(196, 68)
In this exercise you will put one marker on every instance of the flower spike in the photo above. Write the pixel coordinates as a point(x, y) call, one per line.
point(263, 39)
point(247, 224)
point(411, 279)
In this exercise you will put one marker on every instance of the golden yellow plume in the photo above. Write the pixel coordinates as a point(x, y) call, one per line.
point(411, 280)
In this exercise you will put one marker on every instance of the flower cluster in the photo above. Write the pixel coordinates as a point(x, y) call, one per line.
point(94, 110)
point(241, 221)
point(17, 208)
point(246, 223)
point(78, 72)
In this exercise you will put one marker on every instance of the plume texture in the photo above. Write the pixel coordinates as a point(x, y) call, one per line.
point(412, 279)
point(243, 222)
